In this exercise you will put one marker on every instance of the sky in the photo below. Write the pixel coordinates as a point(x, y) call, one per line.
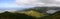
point(21, 4)
point(6, 4)
point(11, 5)
point(39, 2)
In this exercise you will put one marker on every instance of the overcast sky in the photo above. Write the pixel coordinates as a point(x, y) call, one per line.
point(39, 2)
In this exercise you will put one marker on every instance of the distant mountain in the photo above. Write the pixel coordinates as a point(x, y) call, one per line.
point(46, 8)
point(43, 9)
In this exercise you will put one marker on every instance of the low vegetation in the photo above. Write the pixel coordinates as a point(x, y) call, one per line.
point(29, 14)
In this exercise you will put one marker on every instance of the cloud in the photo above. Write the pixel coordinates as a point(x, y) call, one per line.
point(51, 11)
point(50, 1)
point(26, 2)
point(39, 2)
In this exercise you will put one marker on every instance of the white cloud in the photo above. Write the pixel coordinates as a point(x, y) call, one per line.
point(51, 11)
point(57, 0)
point(39, 2)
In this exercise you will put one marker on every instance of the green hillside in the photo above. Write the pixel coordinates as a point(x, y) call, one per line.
point(31, 13)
